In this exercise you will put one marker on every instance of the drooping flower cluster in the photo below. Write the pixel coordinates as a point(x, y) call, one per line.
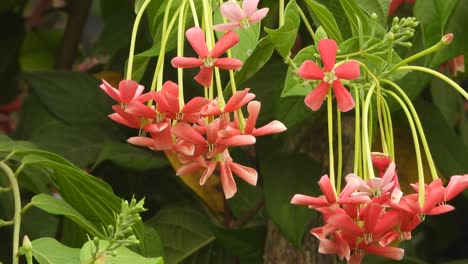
point(368, 216)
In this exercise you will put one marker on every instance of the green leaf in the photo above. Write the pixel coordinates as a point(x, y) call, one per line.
point(212, 253)
point(246, 243)
point(140, 64)
point(183, 229)
point(39, 49)
point(294, 85)
point(379, 7)
point(123, 255)
point(56, 206)
point(326, 19)
point(284, 37)
point(256, 61)
point(154, 245)
point(138, 4)
point(292, 110)
point(447, 100)
point(6, 143)
point(130, 157)
point(357, 18)
point(49, 251)
point(281, 183)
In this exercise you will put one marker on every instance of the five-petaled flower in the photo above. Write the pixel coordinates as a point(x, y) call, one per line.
point(208, 59)
point(241, 18)
point(330, 75)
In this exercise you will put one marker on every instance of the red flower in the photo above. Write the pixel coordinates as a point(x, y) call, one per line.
point(329, 75)
point(208, 59)
point(395, 4)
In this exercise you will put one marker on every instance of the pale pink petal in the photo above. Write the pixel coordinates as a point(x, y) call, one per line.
point(327, 49)
point(310, 71)
point(349, 70)
point(259, 15)
point(309, 200)
point(456, 185)
point(227, 181)
point(227, 41)
point(315, 98)
point(440, 209)
point(139, 109)
point(344, 99)
point(234, 102)
point(207, 173)
point(249, 7)
point(248, 174)
point(389, 173)
point(232, 11)
point(273, 127)
point(111, 91)
point(226, 26)
point(204, 76)
point(188, 169)
point(128, 90)
point(196, 38)
point(141, 141)
point(327, 189)
point(119, 119)
point(184, 62)
point(239, 140)
point(351, 185)
point(186, 132)
point(228, 63)
point(253, 108)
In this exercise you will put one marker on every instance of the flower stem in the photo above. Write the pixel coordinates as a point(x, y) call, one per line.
point(306, 22)
point(330, 138)
point(194, 13)
point(17, 215)
point(357, 132)
point(438, 75)
point(421, 195)
point(340, 149)
point(180, 53)
point(388, 129)
point(417, 121)
point(281, 13)
point(365, 131)
point(128, 75)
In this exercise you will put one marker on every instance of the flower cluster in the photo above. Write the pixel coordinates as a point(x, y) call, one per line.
point(368, 216)
point(201, 131)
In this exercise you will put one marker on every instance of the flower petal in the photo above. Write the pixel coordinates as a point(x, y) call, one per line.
point(232, 11)
point(228, 63)
point(248, 174)
point(310, 71)
point(387, 252)
point(315, 98)
point(227, 41)
point(234, 102)
point(309, 200)
point(184, 62)
point(227, 181)
point(196, 38)
point(253, 108)
point(344, 99)
point(349, 70)
point(188, 168)
point(327, 49)
point(239, 140)
point(138, 108)
point(186, 132)
point(327, 189)
point(259, 15)
point(226, 26)
point(128, 90)
point(195, 105)
point(273, 127)
point(111, 91)
point(249, 7)
point(204, 76)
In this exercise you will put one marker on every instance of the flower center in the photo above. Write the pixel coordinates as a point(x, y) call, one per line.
point(245, 23)
point(212, 148)
point(330, 77)
point(179, 116)
point(209, 62)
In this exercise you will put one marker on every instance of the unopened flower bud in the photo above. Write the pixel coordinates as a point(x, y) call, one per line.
point(447, 39)
point(374, 16)
point(27, 243)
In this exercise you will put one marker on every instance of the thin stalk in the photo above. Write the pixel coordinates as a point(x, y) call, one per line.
point(306, 23)
point(340, 149)
point(389, 129)
point(417, 121)
point(421, 193)
point(194, 13)
point(330, 138)
point(438, 75)
point(219, 89)
point(180, 53)
point(357, 132)
point(17, 215)
point(281, 13)
point(365, 119)
point(128, 75)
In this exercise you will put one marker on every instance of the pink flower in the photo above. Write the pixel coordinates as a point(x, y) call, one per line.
point(242, 18)
point(208, 59)
point(128, 91)
point(330, 75)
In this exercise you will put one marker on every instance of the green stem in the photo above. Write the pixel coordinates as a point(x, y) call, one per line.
point(281, 13)
point(128, 75)
point(365, 117)
point(389, 129)
point(17, 215)
point(194, 13)
point(180, 53)
point(306, 22)
point(421, 195)
point(26, 208)
point(330, 138)
point(438, 75)
point(357, 132)
point(417, 121)
point(340, 149)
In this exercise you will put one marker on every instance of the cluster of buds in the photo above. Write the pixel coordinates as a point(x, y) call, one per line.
point(201, 131)
point(368, 216)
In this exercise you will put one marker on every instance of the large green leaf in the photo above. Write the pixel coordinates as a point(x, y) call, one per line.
point(49, 251)
point(326, 19)
point(56, 206)
point(379, 7)
point(294, 85)
point(212, 253)
point(357, 18)
point(281, 183)
point(123, 255)
point(183, 229)
point(246, 243)
point(284, 37)
point(256, 61)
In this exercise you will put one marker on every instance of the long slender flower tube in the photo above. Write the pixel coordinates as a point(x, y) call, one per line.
point(240, 17)
point(330, 75)
point(208, 59)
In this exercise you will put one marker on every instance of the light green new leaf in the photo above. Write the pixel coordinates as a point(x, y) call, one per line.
point(47, 250)
point(123, 255)
point(56, 206)
point(183, 230)
point(326, 19)
point(284, 37)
